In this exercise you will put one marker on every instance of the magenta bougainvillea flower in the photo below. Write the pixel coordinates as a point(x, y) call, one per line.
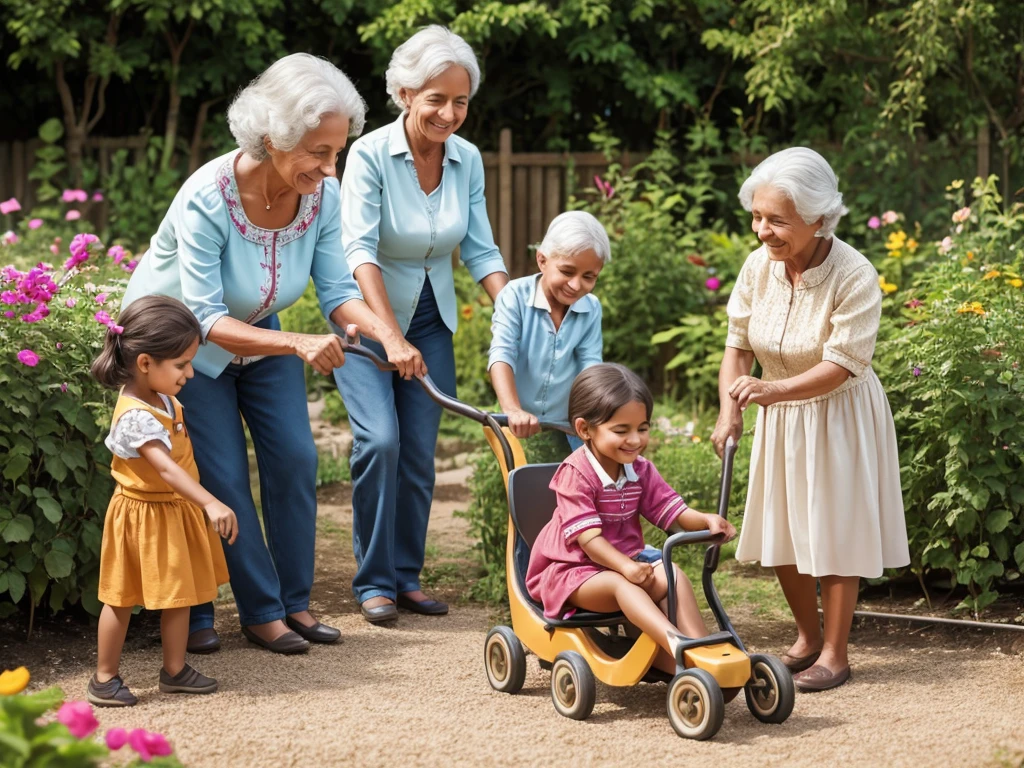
point(35, 223)
point(712, 283)
point(78, 717)
point(29, 358)
point(874, 222)
point(9, 206)
point(72, 215)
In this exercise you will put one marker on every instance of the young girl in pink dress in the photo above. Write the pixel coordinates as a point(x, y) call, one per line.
point(589, 555)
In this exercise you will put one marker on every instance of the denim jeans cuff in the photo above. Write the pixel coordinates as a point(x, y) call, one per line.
point(364, 595)
point(297, 607)
point(262, 618)
point(409, 586)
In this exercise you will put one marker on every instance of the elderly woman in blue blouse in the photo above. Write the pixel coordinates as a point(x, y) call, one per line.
point(241, 241)
point(412, 192)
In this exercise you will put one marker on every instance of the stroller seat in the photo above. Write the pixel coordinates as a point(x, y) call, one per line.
point(531, 504)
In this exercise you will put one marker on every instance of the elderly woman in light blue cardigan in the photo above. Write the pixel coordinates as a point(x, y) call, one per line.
point(241, 241)
point(412, 192)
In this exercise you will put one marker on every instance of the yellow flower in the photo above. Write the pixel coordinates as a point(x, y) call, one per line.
point(956, 184)
point(887, 288)
point(971, 306)
point(467, 311)
point(695, 438)
point(911, 245)
point(1016, 282)
point(12, 682)
point(991, 275)
point(970, 255)
point(896, 241)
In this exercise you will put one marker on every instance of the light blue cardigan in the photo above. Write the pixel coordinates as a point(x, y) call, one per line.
point(210, 256)
point(386, 220)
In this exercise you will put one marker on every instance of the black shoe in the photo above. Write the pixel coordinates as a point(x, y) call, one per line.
point(288, 643)
point(382, 614)
point(186, 681)
point(318, 633)
point(425, 607)
point(113, 693)
point(203, 641)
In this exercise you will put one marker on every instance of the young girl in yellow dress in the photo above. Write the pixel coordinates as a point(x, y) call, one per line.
point(160, 535)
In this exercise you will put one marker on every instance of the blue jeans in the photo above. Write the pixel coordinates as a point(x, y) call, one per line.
point(273, 577)
point(394, 429)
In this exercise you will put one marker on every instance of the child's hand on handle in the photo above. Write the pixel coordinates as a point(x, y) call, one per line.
point(719, 526)
point(641, 574)
point(223, 519)
point(521, 423)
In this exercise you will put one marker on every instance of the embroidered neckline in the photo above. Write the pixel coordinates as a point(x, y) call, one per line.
point(309, 206)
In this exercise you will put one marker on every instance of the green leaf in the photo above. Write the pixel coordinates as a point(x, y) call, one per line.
point(20, 528)
point(16, 466)
point(58, 564)
point(1018, 555)
point(16, 585)
point(51, 509)
point(55, 466)
point(51, 131)
point(997, 521)
point(74, 456)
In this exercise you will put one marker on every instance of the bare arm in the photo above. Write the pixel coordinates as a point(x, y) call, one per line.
point(223, 518)
point(493, 283)
point(735, 363)
point(603, 552)
point(522, 423)
point(819, 380)
point(322, 351)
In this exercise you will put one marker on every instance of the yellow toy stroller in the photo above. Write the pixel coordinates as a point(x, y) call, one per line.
point(710, 670)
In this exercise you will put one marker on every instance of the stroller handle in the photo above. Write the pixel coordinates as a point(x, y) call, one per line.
point(502, 420)
point(447, 402)
point(696, 537)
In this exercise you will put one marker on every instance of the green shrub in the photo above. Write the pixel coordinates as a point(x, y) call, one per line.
point(951, 366)
point(55, 478)
point(332, 469)
point(139, 192)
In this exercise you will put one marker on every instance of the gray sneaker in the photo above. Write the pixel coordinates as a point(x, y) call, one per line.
point(113, 693)
point(187, 681)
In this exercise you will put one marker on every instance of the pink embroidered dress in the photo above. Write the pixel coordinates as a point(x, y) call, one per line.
point(209, 255)
point(589, 498)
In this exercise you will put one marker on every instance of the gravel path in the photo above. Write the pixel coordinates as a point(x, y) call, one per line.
point(416, 694)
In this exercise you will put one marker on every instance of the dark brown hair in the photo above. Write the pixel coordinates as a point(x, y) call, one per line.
point(601, 390)
point(158, 326)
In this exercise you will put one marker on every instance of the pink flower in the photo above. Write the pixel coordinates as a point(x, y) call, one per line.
point(890, 217)
point(116, 737)
point(102, 317)
point(130, 266)
point(916, 371)
point(97, 196)
point(31, 359)
point(101, 298)
point(874, 222)
point(946, 245)
point(54, 249)
point(74, 196)
point(915, 303)
point(70, 303)
point(72, 215)
point(9, 313)
point(9, 238)
point(116, 252)
point(712, 283)
point(59, 345)
point(78, 717)
point(35, 223)
point(9, 206)
point(64, 387)
point(149, 745)
point(962, 215)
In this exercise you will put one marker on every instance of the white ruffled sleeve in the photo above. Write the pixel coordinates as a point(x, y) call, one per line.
point(134, 429)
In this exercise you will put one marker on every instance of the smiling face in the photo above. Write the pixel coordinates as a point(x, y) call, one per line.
point(620, 439)
point(315, 157)
point(777, 224)
point(168, 376)
point(566, 280)
point(438, 109)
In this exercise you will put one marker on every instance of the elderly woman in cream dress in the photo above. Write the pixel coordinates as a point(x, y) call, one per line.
point(824, 502)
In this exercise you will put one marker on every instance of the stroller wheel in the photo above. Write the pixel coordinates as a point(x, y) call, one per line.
point(770, 692)
point(573, 689)
point(504, 660)
point(696, 708)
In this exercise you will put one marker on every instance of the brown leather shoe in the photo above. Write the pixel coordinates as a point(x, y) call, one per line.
point(288, 643)
point(423, 607)
point(819, 678)
point(203, 641)
point(799, 663)
point(317, 633)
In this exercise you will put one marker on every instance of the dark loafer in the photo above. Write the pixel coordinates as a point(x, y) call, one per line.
point(799, 663)
point(382, 614)
point(113, 693)
point(203, 641)
point(318, 633)
point(288, 643)
point(425, 607)
point(819, 678)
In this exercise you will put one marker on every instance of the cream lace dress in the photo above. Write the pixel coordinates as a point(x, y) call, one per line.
point(824, 488)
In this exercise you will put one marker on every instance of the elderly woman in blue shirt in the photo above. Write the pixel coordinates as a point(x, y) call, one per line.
point(412, 193)
point(241, 241)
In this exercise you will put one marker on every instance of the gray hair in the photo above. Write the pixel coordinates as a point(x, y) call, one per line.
point(573, 232)
point(806, 178)
point(424, 56)
point(288, 100)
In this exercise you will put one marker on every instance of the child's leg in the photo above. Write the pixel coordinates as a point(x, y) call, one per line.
point(174, 638)
point(113, 626)
point(609, 591)
point(688, 618)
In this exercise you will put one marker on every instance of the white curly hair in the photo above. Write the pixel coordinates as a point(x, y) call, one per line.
point(424, 56)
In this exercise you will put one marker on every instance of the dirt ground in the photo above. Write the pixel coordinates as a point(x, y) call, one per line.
point(415, 694)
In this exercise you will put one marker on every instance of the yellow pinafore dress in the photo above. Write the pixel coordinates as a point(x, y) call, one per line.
point(159, 550)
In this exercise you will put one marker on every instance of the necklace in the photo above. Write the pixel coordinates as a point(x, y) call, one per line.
point(280, 192)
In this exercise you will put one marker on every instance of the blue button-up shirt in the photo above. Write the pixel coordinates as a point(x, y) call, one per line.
point(544, 361)
point(387, 220)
